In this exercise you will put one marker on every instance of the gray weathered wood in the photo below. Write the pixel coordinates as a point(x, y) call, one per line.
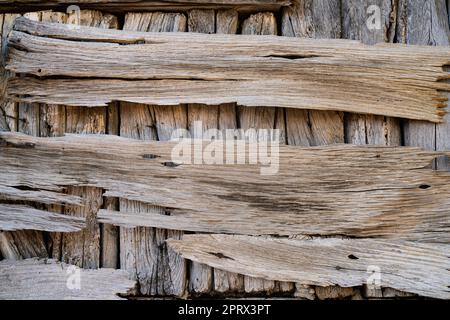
point(406, 266)
point(201, 21)
point(424, 23)
point(143, 252)
point(22, 217)
point(293, 76)
point(143, 5)
point(382, 185)
point(313, 19)
point(46, 279)
point(362, 129)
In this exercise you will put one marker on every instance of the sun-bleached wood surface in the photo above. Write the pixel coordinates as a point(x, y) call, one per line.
point(407, 266)
point(359, 191)
point(339, 75)
point(46, 279)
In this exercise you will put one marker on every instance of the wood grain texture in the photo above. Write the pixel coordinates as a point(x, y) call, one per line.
point(22, 117)
point(354, 71)
point(22, 217)
point(356, 15)
point(382, 185)
point(8, 109)
point(83, 248)
point(260, 119)
point(201, 21)
point(142, 250)
point(407, 266)
point(46, 279)
point(144, 5)
point(313, 19)
point(425, 23)
point(227, 23)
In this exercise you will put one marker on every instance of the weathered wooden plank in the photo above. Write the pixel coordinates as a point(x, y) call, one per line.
point(403, 265)
point(143, 251)
point(357, 17)
point(47, 279)
point(382, 185)
point(22, 217)
point(143, 5)
point(313, 19)
point(356, 75)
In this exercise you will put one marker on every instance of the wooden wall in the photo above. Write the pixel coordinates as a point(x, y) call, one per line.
point(142, 251)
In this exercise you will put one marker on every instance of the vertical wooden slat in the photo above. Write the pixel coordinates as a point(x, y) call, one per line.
point(263, 23)
point(143, 251)
point(422, 23)
point(315, 19)
point(201, 21)
point(8, 110)
point(370, 129)
point(83, 248)
point(227, 23)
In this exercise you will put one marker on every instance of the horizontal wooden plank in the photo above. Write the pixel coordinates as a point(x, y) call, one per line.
point(144, 5)
point(23, 217)
point(359, 191)
point(287, 72)
point(46, 279)
point(407, 266)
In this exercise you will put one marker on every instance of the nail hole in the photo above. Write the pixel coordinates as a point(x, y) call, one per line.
point(352, 257)
point(424, 186)
point(150, 156)
point(220, 255)
point(39, 70)
point(170, 164)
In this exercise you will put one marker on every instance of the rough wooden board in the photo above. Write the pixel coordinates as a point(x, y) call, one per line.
point(353, 71)
point(22, 217)
point(46, 279)
point(406, 266)
point(141, 5)
point(382, 185)
point(142, 250)
point(362, 129)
